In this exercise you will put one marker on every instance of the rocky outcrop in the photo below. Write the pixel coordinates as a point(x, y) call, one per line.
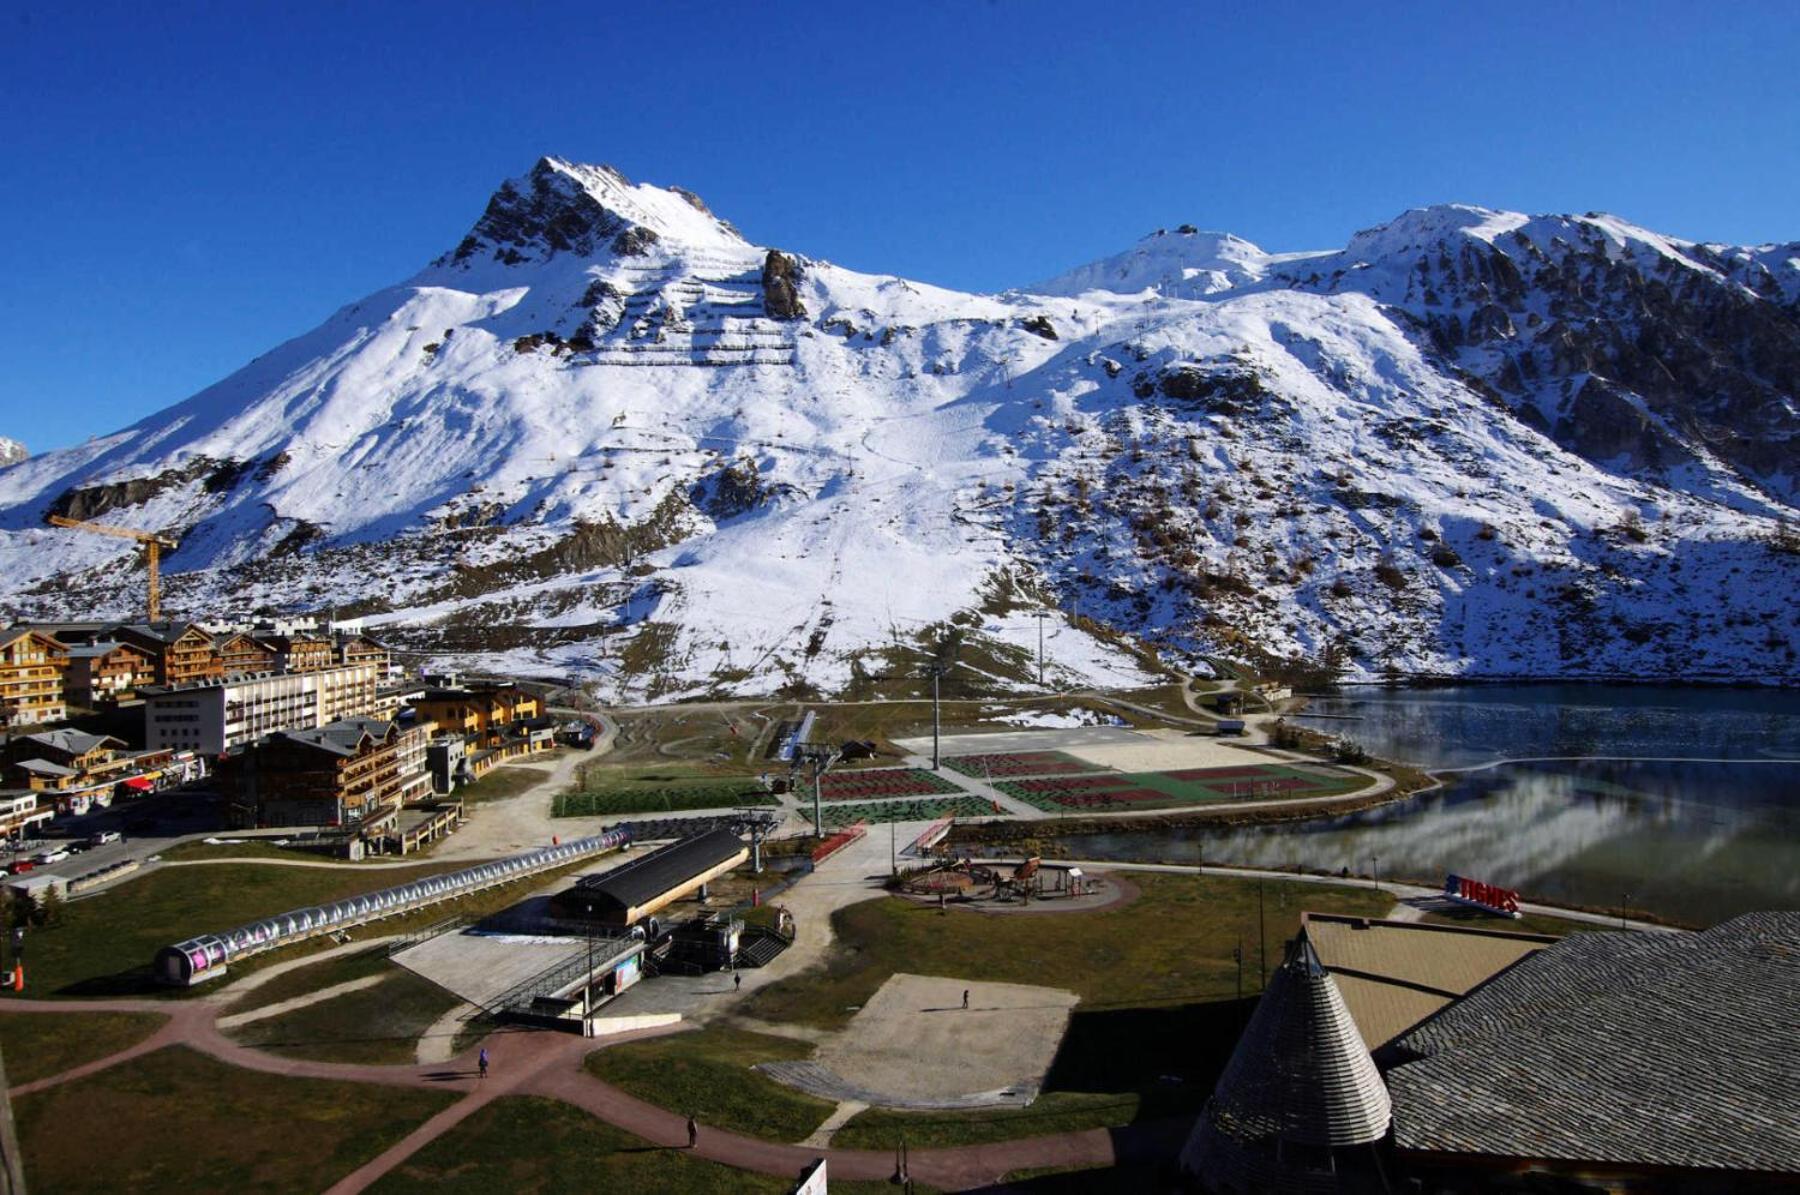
point(549, 214)
point(11, 452)
point(92, 501)
point(781, 296)
point(1039, 325)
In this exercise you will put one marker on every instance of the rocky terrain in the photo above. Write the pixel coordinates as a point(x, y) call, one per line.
point(606, 435)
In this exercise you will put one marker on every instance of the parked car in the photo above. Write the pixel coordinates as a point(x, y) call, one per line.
point(103, 837)
point(22, 866)
point(54, 855)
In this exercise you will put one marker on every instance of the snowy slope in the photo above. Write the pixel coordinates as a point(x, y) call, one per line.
point(607, 435)
point(11, 452)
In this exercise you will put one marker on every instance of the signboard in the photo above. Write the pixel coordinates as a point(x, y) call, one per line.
point(812, 1180)
point(1503, 901)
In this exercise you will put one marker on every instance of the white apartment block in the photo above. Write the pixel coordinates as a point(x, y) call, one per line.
point(219, 717)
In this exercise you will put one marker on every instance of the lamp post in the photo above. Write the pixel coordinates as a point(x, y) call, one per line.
point(1624, 901)
point(587, 998)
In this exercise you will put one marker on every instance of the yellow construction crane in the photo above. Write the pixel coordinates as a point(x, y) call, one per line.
point(153, 546)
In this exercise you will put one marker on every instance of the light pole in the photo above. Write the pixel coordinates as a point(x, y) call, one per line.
point(937, 672)
point(587, 997)
point(1624, 901)
point(1041, 616)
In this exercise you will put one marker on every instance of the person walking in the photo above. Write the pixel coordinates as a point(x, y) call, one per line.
point(965, 997)
point(693, 1133)
point(482, 1062)
point(737, 982)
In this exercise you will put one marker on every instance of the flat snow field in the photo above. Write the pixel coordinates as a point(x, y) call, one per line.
point(1109, 746)
point(915, 1041)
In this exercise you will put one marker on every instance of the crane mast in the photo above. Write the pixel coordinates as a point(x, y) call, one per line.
point(153, 546)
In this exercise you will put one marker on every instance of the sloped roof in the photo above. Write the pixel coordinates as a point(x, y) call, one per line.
point(1630, 1049)
point(44, 767)
point(344, 737)
point(649, 876)
point(75, 742)
point(1394, 974)
point(1299, 1084)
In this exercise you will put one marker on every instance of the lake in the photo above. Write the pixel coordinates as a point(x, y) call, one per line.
point(1666, 830)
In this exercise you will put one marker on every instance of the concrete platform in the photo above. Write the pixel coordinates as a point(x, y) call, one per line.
point(1119, 747)
point(914, 1045)
point(481, 967)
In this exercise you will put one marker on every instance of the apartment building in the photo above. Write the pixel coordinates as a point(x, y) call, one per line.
point(225, 715)
point(184, 653)
point(302, 653)
point(360, 649)
point(104, 672)
point(482, 713)
point(21, 814)
point(242, 654)
point(31, 678)
point(351, 773)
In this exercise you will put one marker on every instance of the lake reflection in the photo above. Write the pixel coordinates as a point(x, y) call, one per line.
point(1694, 842)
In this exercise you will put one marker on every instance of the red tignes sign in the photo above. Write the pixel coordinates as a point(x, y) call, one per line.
point(1501, 900)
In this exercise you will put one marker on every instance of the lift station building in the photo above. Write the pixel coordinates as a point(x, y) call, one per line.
point(634, 891)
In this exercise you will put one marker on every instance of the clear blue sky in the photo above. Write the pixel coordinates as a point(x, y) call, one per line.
point(183, 186)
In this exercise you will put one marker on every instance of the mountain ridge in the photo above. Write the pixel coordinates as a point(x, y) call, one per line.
point(606, 419)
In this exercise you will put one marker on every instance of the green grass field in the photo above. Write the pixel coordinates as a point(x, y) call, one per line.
point(910, 809)
point(673, 799)
point(177, 1121)
point(38, 1045)
point(1173, 945)
point(1052, 1112)
point(103, 945)
point(313, 977)
point(506, 780)
point(378, 1025)
point(532, 1146)
point(1174, 789)
point(707, 1074)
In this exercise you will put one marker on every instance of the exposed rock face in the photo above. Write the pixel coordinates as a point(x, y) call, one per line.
point(88, 502)
point(549, 214)
point(1039, 325)
point(735, 490)
point(11, 452)
point(781, 299)
point(1622, 352)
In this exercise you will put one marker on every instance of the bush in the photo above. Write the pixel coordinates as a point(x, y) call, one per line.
point(1444, 556)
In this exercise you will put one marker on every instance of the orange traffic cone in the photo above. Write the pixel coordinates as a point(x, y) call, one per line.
point(18, 978)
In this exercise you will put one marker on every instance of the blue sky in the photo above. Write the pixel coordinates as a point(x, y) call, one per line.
point(183, 186)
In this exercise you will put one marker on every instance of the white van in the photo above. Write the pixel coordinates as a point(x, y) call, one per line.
point(103, 837)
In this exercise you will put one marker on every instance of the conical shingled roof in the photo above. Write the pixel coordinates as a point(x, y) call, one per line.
point(1300, 1084)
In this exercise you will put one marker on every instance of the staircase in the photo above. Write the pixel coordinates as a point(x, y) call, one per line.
point(758, 946)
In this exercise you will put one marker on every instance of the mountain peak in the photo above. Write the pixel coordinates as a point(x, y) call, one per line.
point(1185, 262)
point(587, 210)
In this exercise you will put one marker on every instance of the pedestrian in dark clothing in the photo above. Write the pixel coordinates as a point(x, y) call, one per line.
point(737, 982)
point(693, 1133)
point(483, 1062)
point(965, 997)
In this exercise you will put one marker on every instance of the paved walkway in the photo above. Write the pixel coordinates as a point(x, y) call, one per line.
point(1401, 892)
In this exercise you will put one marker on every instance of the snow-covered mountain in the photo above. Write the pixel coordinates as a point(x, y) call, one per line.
point(11, 452)
point(608, 435)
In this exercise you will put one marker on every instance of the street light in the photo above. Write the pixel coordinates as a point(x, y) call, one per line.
point(587, 998)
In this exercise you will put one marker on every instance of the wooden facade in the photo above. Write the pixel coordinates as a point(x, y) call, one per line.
point(99, 673)
point(342, 774)
point(184, 654)
point(480, 712)
point(246, 655)
point(32, 665)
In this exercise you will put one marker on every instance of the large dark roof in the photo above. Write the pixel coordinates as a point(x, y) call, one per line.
point(650, 876)
point(1675, 1050)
